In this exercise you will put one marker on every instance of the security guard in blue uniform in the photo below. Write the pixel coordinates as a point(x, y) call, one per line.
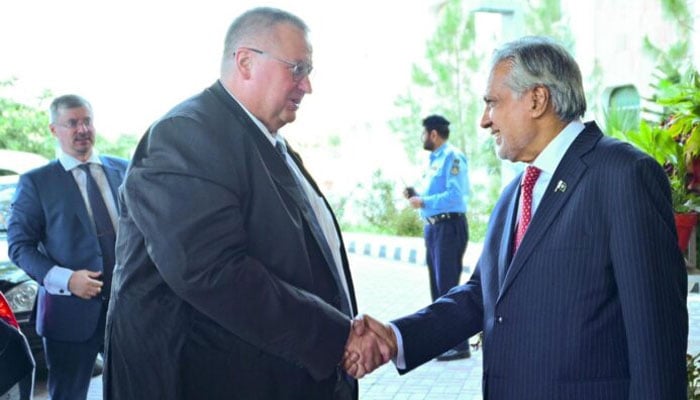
point(443, 204)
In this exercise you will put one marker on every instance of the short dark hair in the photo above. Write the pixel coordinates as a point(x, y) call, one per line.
point(437, 123)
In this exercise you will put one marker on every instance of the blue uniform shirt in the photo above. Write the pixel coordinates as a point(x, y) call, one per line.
point(445, 186)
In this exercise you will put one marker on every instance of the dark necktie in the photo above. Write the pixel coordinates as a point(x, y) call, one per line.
point(531, 175)
point(103, 227)
point(315, 227)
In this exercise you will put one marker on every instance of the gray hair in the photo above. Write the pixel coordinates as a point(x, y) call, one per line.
point(539, 61)
point(65, 102)
point(255, 23)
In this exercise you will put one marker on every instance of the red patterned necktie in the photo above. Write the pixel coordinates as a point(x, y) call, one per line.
point(531, 175)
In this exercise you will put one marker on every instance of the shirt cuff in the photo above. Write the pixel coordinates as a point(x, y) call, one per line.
point(400, 360)
point(56, 281)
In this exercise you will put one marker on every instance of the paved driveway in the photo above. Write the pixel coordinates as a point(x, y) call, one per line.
point(387, 289)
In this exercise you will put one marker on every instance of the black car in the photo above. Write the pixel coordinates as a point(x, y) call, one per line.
point(16, 362)
point(19, 289)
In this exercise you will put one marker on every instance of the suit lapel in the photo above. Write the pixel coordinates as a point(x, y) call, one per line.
point(570, 171)
point(329, 257)
point(114, 178)
point(306, 210)
point(73, 197)
point(279, 171)
point(289, 183)
point(505, 252)
point(276, 165)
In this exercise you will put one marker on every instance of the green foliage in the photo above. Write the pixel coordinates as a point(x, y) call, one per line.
point(669, 131)
point(675, 57)
point(24, 128)
point(408, 224)
point(652, 140)
point(379, 209)
point(693, 367)
point(681, 100)
point(594, 86)
point(123, 146)
point(338, 205)
point(545, 17)
point(674, 139)
point(444, 84)
point(381, 213)
point(678, 11)
point(407, 125)
point(657, 141)
point(619, 121)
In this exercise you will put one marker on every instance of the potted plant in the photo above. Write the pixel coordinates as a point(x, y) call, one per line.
point(674, 143)
point(679, 95)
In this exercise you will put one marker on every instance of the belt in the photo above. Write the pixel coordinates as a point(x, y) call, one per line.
point(443, 217)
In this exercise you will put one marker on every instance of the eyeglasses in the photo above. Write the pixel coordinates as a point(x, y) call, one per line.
point(300, 70)
point(75, 123)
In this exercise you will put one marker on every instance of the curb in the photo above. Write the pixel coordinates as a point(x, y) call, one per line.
point(408, 255)
point(693, 282)
point(410, 250)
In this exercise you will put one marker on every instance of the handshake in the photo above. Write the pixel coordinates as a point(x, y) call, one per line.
point(371, 344)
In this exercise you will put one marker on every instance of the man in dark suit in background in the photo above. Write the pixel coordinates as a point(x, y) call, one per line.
point(232, 280)
point(65, 241)
point(588, 299)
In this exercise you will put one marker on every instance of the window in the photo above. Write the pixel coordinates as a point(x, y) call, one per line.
point(622, 108)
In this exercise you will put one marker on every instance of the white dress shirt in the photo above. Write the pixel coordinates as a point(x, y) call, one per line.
point(56, 280)
point(323, 214)
point(547, 161)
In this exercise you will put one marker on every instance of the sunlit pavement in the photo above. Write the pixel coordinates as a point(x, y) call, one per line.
point(387, 289)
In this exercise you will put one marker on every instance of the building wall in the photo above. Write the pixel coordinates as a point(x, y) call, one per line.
point(610, 32)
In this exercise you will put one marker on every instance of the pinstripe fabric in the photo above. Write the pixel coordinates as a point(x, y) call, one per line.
point(592, 305)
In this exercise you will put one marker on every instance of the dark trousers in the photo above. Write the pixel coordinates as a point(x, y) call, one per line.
point(445, 245)
point(70, 364)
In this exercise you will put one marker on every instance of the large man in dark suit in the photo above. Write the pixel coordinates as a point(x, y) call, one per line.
point(590, 302)
point(231, 281)
point(54, 236)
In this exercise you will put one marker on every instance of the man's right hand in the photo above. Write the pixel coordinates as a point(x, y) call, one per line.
point(85, 284)
point(371, 344)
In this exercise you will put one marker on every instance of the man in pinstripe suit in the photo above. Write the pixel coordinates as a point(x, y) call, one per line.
point(592, 304)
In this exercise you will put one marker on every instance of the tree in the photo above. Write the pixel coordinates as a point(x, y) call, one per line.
point(672, 61)
point(445, 85)
point(545, 17)
point(25, 128)
point(381, 213)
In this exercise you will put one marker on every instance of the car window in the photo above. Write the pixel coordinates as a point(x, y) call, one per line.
point(7, 190)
